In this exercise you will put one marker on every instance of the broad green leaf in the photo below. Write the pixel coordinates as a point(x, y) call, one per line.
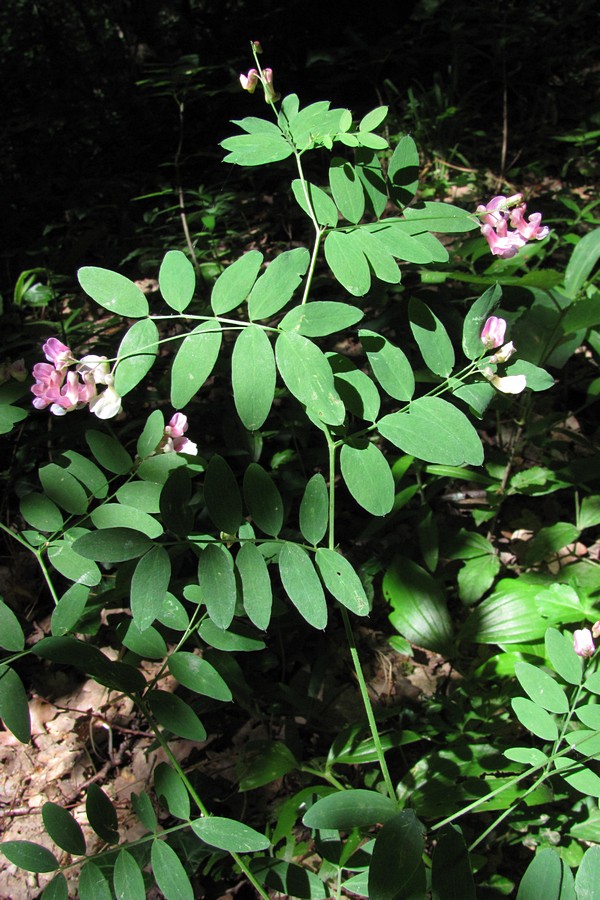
point(541, 688)
point(588, 875)
point(87, 472)
point(93, 884)
point(235, 283)
point(592, 683)
point(69, 610)
point(290, 880)
point(368, 477)
point(275, 287)
point(101, 814)
point(403, 171)
point(476, 577)
point(148, 643)
point(175, 715)
point(508, 616)
point(177, 280)
point(9, 416)
point(253, 376)
point(73, 565)
point(451, 875)
point(29, 856)
point(227, 834)
point(357, 390)
point(255, 125)
point(112, 544)
point(378, 256)
point(476, 319)
point(197, 674)
point(315, 122)
point(135, 356)
point(11, 633)
point(118, 515)
point(263, 500)
point(14, 710)
point(256, 149)
point(367, 139)
point(256, 584)
point(64, 830)
point(217, 584)
point(350, 809)
point(321, 318)
point(322, 205)
point(578, 776)
point(150, 438)
point(169, 787)
point(222, 495)
point(434, 430)
point(194, 362)
point(397, 238)
point(40, 512)
point(369, 171)
point(301, 584)
point(261, 762)
point(373, 119)
point(544, 878)
point(348, 263)
point(431, 336)
point(109, 452)
point(397, 857)
point(169, 872)
point(529, 756)
point(561, 653)
point(477, 395)
point(308, 376)
point(236, 639)
point(127, 878)
point(346, 188)
point(144, 810)
point(586, 742)
point(583, 259)
point(56, 889)
point(441, 217)
point(63, 489)
point(114, 292)
point(175, 502)
point(145, 495)
point(589, 715)
point(419, 609)
point(341, 581)
point(390, 366)
point(535, 719)
point(149, 585)
point(538, 379)
point(314, 510)
point(589, 512)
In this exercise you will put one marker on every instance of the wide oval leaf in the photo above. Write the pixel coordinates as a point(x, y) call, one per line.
point(308, 376)
point(177, 280)
point(347, 189)
point(419, 608)
point(350, 809)
point(541, 688)
point(112, 544)
point(175, 715)
point(263, 500)
point(109, 452)
point(368, 476)
point(256, 584)
point(314, 510)
point(29, 856)
point(348, 263)
point(194, 362)
point(435, 431)
point(114, 292)
point(302, 585)
point(320, 318)
point(390, 366)
point(40, 512)
point(227, 834)
point(321, 204)
point(342, 581)
point(397, 857)
point(149, 585)
point(119, 515)
point(434, 342)
point(14, 709)
point(169, 872)
point(198, 675)
point(135, 356)
point(235, 283)
point(253, 376)
point(275, 287)
point(11, 633)
point(63, 489)
point(170, 788)
point(63, 828)
point(534, 718)
point(222, 495)
point(217, 584)
point(127, 878)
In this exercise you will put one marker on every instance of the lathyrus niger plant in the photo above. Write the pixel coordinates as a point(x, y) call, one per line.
point(206, 561)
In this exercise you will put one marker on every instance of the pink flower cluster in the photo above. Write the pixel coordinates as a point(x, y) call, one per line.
point(583, 640)
point(501, 212)
point(250, 81)
point(64, 389)
point(174, 437)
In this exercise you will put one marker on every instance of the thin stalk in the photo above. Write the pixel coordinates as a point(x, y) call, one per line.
point(38, 556)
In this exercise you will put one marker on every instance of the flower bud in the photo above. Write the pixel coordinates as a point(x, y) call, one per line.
point(583, 643)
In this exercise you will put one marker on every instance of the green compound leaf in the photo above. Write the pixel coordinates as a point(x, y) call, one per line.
point(561, 653)
point(64, 830)
point(40, 512)
point(149, 439)
point(177, 280)
point(358, 392)
point(56, 889)
point(194, 362)
point(397, 238)
point(170, 790)
point(342, 581)
point(169, 872)
point(175, 715)
point(256, 149)
point(350, 809)
point(87, 472)
point(235, 283)
point(119, 515)
point(541, 688)
point(217, 584)
point(378, 256)
point(109, 452)
point(101, 814)
point(301, 584)
point(314, 510)
point(390, 366)
point(348, 263)
point(112, 545)
point(347, 190)
point(368, 477)
point(198, 675)
point(435, 431)
point(578, 776)
point(135, 356)
point(253, 376)
point(419, 607)
point(476, 319)
point(370, 173)
point(114, 292)
point(588, 875)
point(29, 856)
point(275, 287)
point(11, 633)
point(93, 884)
point(63, 489)
point(236, 639)
point(323, 206)
point(256, 585)
point(127, 878)
point(149, 586)
point(14, 709)
point(308, 376)
point(321, 318)
point(546, 877)
point(441, 217)
point(535, 719)
point(69, 610)
point(397, 861)
point(227, 834)
point(403, 171)
point(263, 500)
point(529, 756)
point(222, 495)
point(431, 336)
point(73, 565)
point(262, 762)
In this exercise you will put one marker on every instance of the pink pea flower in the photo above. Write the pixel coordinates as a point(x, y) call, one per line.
point(503, 354)
point(493, 332)
point(57, 353)
point(495, 212)
point(507, 384)
point(249, 81)
point(530, 230)
point(96, 367)
point(583, 643)
point(176, 442)
point(107, 404)
point(271, 94)
point(48, 382)
point(177, 426)
point(503, 245)
point(69, 397)
point(503, 211)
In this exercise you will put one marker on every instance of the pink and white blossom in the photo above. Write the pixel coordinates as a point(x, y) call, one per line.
point(503, 354)
point(506, 384)
point(498, 214)
point(250, 80)
point(271, 94)
point(493, 332)
point(107, 404)
point(57, 353)
point(530, 230)
point(583, 643)
point(97, 367)
point(176, 442)
point(506, 245)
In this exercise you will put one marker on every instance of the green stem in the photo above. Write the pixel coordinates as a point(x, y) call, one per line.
point(325, 774)
point(38, 556)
